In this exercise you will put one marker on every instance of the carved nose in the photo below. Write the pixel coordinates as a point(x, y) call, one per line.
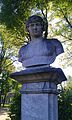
point(34, 26)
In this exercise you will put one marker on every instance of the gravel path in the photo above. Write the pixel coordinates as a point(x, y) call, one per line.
point(4, 114)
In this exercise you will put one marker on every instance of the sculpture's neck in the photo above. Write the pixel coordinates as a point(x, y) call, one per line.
point(36, 38)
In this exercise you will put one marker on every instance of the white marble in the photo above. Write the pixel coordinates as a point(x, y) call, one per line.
point(40, 52)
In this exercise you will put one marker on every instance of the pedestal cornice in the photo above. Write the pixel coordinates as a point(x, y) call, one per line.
point(39, 74)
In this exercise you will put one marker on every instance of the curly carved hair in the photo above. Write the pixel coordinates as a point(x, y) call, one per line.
point(33, 19)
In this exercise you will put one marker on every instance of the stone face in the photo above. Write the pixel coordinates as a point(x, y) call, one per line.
point(40, 52)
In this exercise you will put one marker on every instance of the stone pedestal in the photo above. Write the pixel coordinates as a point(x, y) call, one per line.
point(39, 92)
point(39, 101)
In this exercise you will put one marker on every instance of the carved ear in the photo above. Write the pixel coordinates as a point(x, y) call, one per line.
point(27, 29)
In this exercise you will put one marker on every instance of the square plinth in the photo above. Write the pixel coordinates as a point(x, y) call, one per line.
point(39, 74)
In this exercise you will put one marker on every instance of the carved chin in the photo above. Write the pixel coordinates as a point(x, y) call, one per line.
point(37, 35)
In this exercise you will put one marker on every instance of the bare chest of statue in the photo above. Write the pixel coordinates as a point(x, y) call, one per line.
point(40, 52)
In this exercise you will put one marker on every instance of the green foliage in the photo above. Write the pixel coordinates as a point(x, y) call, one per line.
point(13, 12)
point(5, 58)
point(65, 102)
point(13, 19)
point(13, 39)
point(5, 68)
point(20, 11)
point(15, 107)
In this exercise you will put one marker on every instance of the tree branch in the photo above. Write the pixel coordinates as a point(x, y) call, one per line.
point(10, 63)
point(66, 37)
point(46, 23)
point(66, 18)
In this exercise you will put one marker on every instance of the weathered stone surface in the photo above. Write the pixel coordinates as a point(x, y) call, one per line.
point(40, 52)
point(39, 74)
point(38, 88)
point(35, 107)
point(38, 103)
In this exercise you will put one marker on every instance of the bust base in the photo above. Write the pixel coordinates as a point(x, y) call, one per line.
point(39, 74)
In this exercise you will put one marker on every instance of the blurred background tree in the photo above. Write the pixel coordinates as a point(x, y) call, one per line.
point(6, 66)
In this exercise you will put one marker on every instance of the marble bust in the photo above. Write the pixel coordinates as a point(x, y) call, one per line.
point(37, 56)
point(39, 51)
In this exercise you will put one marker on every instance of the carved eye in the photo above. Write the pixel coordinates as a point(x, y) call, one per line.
point(33, 24)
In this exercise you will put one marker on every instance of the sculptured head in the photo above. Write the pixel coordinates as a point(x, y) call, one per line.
point(35, 26)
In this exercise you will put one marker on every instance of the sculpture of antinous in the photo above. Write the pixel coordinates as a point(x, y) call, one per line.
point(39, 51)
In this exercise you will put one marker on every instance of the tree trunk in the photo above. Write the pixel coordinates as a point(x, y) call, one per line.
point(4, 100)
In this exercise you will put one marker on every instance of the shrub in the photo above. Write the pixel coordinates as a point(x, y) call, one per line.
point(15, 107)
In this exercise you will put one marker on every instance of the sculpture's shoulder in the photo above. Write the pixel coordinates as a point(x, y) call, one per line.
point(23, 48)
point(57, 44)
point(21, 53)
